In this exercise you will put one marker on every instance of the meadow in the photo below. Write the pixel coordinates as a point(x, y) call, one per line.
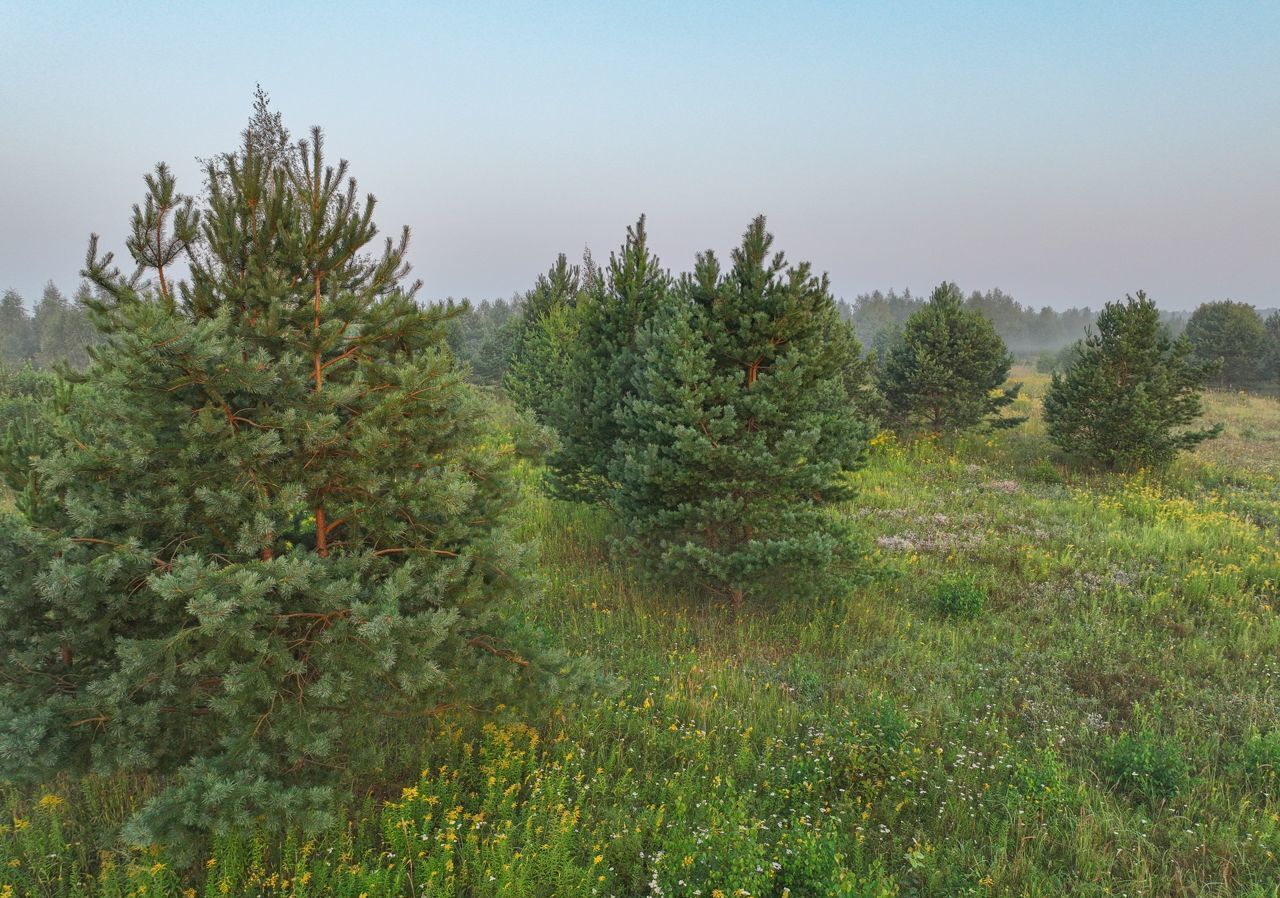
point(1053, 682)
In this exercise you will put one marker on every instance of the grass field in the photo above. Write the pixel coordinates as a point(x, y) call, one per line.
point(1055, 683)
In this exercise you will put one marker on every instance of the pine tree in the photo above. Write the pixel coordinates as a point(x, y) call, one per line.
point(62, 329)
point(599, 367)
point(481, 336)
point(740, 430)
point(1233, 335)
point(81, 335)
point(857, 373)
point(276, 525)
point(50, 324)
point(545, 332)
point(947, 371)
point(1272, 368)
point(536, 379)
point(22, 390)
point(17, 343)
point(1129, 391)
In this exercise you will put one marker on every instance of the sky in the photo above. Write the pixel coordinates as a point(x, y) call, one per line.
point(1065, 152)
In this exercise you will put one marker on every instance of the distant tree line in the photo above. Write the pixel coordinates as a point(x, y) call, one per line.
point(56, 329)
point(878, 318)
point(483, 336)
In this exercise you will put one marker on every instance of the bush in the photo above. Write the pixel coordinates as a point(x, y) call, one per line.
point(1144, 764)
point(1260, 756)
point(959, 599)
point(1044, 471)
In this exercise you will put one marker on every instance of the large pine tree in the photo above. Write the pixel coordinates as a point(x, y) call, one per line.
point(277, 512)
point(740, 430)
point(1130, 392)
point(599, 366)
point(947, 372)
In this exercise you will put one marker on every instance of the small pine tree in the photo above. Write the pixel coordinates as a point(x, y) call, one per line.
point(599, 367)
point(1272, 369)
point(740, 430)
point(546, 330)
point(17, 341)
point(536, 378)
point(482, 337)
point(1233, 335)
point(1129, 391)
point(947, 372)
point(857, 372)
point(276, 517)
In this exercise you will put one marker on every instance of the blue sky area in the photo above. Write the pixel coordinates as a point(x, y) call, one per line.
point(1065, 152)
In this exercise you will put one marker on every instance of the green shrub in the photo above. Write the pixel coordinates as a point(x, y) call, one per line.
point(959, 598)
point(1260, 757)
point(883, 724)
point(1044, 471)
point(1144, 764)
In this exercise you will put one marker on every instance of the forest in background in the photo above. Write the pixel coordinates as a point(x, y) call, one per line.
point(484, 334)
point(53, 329)
point(56, 328)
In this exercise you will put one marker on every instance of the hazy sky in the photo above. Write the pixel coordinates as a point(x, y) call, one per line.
point(1067, 152)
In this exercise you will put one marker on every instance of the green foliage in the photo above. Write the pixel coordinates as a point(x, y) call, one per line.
point(959, 598)
point(276, 516)
point(1044, 471)
point(741, 430)
point(948, 371)
point(545, 336)
point(1232, 336)
point(31, 403)
point(1260, 758)
point(58, 331)
point(1272, 366)
point(1130, 392)
point(1145, 764)
point(504, 811)
point(878, 319)
point(17, 341)
point(1059, 361)
point(599, 368)
point(482, 337)
point(22, 391)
